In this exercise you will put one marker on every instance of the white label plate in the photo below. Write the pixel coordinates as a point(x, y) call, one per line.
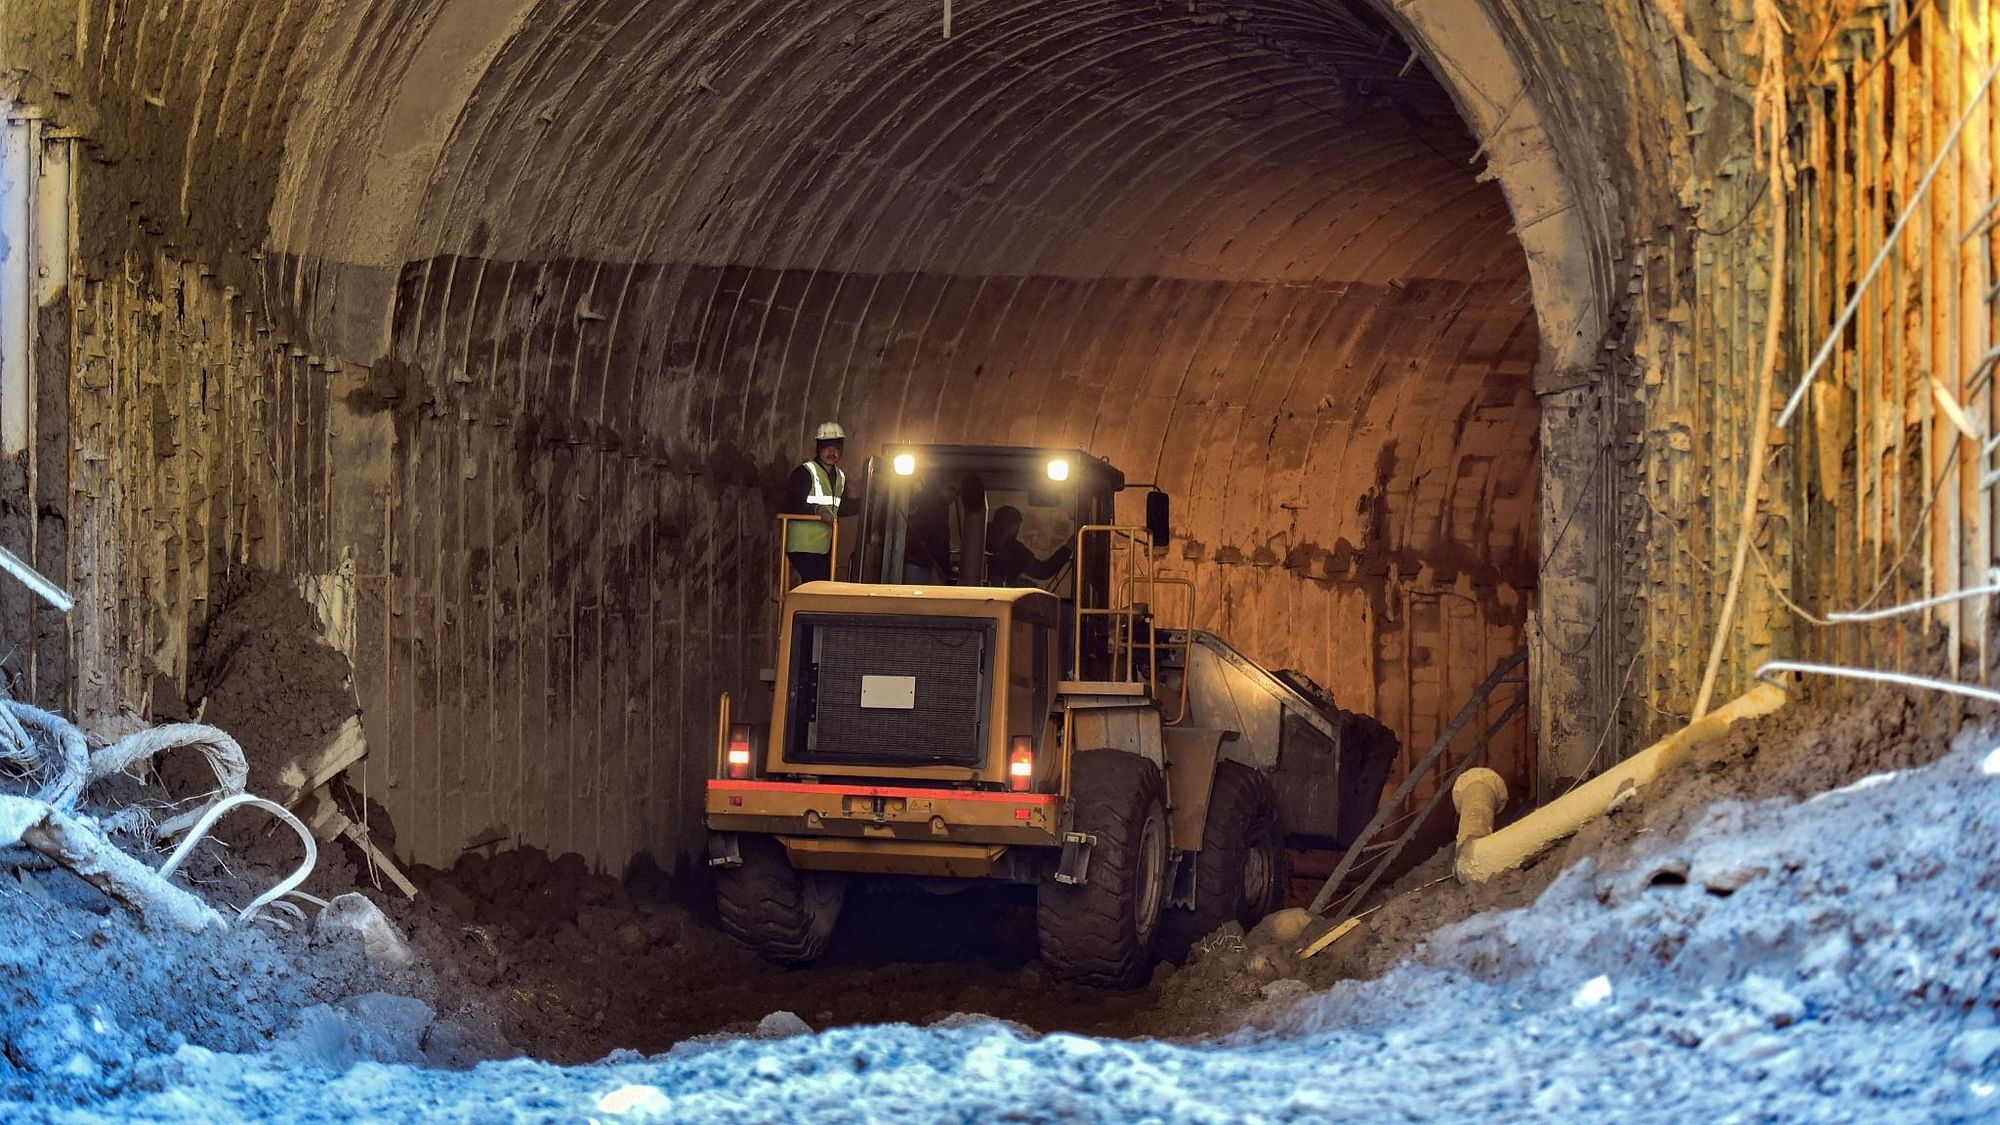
point(889, 693)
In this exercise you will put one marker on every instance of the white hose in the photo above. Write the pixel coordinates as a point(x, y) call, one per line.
point(48, 591)
point(1846, 616)
point(78, 846)
point(1897, 678)
point(214, 813)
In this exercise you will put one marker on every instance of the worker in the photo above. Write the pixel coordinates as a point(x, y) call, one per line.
point(1009, 562)
point(817, 488)
point(927, 536)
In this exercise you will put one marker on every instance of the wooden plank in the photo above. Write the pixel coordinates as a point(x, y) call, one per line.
point(328, 824)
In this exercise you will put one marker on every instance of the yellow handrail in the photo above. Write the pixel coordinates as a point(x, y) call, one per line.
point(1186, 643)
point(1133, 547)
point(1120, 538)
point(785, 521)
point(722, 740)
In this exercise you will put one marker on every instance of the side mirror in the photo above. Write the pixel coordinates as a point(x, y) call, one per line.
point(1159, 518)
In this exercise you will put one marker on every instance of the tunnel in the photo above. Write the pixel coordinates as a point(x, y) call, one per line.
point(571, 288)
point(401, 395)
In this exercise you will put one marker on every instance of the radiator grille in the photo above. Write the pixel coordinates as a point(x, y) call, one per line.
point(946, 725)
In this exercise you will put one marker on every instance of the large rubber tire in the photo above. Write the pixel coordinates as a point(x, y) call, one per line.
point(1103, 932)
point(785, 914)
point(1240, 871)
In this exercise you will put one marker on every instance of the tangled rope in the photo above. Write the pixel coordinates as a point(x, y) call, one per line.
point(214, 813)
point(55, 755)
point(224, 756)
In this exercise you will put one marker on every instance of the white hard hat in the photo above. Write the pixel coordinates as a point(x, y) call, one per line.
point(830, 431)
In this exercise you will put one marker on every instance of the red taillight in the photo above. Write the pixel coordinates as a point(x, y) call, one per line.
point(1021, 765)
point(738, 756)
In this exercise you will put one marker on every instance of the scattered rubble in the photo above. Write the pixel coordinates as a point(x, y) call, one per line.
point(1798, 753)
point(1702, 928)
point(1848, 981)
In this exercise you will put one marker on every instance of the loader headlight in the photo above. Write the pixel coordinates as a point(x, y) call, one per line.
point(905, 464)
point(1059, 468)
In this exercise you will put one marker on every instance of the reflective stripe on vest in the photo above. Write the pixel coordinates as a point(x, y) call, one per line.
point(812, 537)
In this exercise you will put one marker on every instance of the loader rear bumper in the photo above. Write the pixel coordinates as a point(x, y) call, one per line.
point(863, 812)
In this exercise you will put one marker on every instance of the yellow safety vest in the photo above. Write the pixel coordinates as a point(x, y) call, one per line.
point(812, 537)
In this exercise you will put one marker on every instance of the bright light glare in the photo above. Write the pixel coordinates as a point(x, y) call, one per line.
point(1059, 469)
point(905, 463)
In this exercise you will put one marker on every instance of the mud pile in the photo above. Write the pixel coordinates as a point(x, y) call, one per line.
point(263, 673)
point(90, 1002)
point(90, 997)
point(1793, 753)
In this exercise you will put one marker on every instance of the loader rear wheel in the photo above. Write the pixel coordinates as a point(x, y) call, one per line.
point(1240, 870)
point(785, 914)
point(1103, 932)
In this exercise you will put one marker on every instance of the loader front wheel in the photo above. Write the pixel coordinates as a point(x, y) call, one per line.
point(1240, 871)
point(1103, 931)
point(785, 914)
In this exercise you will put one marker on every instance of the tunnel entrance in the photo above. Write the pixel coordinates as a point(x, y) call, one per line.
point(1243, 253)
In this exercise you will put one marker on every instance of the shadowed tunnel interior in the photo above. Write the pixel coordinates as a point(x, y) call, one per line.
point(587, 273)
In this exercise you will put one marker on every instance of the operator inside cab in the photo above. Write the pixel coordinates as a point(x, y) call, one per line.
point(1009, 562)
point(817, 488)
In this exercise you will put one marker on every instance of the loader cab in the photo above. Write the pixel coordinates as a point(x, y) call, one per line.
point(931, 510)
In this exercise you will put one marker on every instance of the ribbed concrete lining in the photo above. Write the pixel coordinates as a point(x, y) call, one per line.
point(1246, 257)
point(1108, 144)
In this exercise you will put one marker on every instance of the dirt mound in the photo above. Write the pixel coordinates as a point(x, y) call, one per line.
point(1793, 753)
point(92, 997)
point(263, 673)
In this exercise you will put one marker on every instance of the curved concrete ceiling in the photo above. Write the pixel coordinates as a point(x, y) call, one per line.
point(1075, 225)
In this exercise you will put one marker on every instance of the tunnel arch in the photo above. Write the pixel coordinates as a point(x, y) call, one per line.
point(332, 206)
point(591, 270)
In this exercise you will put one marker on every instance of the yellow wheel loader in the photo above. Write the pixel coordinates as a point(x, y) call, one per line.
point(1001, 684)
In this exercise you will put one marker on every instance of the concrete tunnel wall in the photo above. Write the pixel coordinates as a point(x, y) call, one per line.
point(498, 326)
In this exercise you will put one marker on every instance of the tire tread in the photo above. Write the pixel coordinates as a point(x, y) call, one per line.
point(1087, 932)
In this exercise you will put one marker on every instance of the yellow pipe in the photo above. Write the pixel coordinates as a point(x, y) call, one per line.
point(1479, 794)
point(1481, 859)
